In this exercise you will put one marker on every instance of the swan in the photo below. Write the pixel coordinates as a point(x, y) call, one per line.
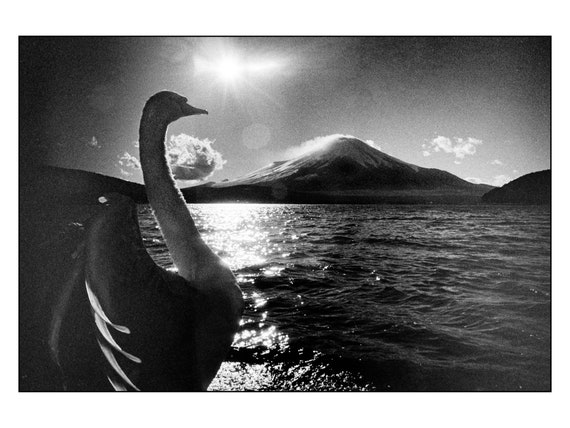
point(154, 330)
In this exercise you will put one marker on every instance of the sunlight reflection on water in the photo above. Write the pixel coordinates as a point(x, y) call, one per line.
point(233, 231)
point(417, 298)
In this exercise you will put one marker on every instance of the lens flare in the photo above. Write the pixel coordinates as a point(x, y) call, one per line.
point(231, 69)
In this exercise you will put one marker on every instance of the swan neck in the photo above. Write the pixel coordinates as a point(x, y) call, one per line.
point(165, 198)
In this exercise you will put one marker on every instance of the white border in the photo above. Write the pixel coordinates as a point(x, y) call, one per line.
point(286, 18)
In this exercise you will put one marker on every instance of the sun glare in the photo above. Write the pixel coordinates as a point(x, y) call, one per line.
point(231, 69)
point(228, 69)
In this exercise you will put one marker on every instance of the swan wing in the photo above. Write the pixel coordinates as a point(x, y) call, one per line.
point(145, 318)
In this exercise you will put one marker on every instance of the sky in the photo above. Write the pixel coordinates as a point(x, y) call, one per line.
point(478, 107)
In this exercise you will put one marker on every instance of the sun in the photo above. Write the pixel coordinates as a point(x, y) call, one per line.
point(230, 69)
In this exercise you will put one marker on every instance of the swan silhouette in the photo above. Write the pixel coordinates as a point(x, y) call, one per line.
point(153, 330)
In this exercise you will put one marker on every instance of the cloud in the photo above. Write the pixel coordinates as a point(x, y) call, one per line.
point(94, 143)
point(497, 162)
point(500, 180)
point(459, 147)
point(373, 145)
point(319, 143)
point(191, 158)
point(310, 146)
point(474, 180)
point(126, 160)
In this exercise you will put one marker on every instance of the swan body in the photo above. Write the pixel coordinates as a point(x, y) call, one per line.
point(151, 329)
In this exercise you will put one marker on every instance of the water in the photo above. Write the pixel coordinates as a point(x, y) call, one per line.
point(383, 298)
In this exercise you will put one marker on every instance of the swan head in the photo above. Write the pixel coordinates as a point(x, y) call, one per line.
point(170, 106)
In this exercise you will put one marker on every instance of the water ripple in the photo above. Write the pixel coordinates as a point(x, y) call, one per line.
point(408, 298)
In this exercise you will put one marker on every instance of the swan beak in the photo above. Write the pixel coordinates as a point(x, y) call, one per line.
point(188, 110)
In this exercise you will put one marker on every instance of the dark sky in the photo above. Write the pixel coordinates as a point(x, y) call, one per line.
point(476, 107)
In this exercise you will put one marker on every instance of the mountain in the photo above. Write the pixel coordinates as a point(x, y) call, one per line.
point(346, 169)
point(533, 188)
point(343, 170)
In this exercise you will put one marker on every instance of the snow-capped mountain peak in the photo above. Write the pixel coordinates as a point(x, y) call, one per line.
point(342, 154)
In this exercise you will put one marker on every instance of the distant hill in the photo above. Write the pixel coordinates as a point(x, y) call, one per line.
point(533, 188)
point(345, 170)
point(55, 184)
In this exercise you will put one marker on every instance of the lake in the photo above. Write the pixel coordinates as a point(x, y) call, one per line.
point(383, 297)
